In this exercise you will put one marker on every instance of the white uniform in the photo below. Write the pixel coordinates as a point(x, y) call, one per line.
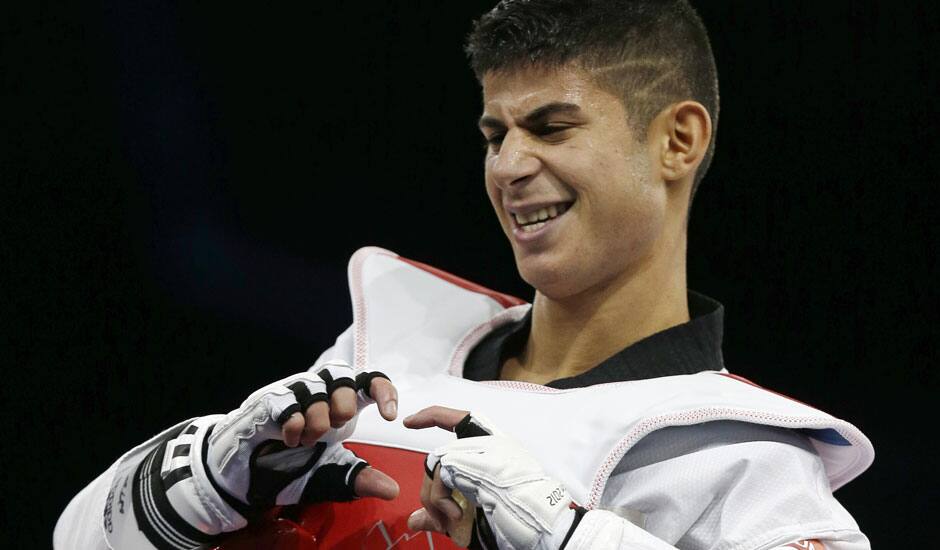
point(694, 461)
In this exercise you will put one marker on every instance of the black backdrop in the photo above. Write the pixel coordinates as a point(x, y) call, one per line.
point(182, 187)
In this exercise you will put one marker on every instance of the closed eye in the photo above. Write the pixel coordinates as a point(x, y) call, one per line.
point(553, 131)
point(493, 141)
point(556, 132)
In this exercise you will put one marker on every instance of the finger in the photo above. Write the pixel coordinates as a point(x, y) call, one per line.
point(437, 515)
point(317, 423)
point(342, 406)
point(421, 520)
point(436, 416)
point(441, 499)
point(374, 483)
point(292, 428)
point(386, 397)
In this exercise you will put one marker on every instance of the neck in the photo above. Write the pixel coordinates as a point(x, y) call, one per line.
point(574, 334)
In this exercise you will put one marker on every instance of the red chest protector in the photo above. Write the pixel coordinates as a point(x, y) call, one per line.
point(367, 524)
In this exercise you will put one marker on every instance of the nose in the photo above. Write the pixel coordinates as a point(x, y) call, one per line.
point(515, 162)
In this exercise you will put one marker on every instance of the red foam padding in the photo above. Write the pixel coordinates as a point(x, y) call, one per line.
point(366, 524)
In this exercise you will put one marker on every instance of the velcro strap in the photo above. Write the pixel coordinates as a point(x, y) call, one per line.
point(468, 427)
point(332, 384)
point(364, 381)
point(267, 482)
point(155, 515)
point(333, 483)
point(290, 410)
point(430, 462)
point(304, 397)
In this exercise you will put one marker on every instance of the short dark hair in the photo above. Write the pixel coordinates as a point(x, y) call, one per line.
point(651, 53)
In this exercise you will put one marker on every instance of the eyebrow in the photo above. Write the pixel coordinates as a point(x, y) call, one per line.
point(535, 116)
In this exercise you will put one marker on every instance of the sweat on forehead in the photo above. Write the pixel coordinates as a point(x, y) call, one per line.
point(534, 96)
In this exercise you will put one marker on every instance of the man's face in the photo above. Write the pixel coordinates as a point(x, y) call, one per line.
point(560, 146)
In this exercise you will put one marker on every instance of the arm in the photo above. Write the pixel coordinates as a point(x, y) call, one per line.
point(83, 523)
point(519, 502)
point(211, 475)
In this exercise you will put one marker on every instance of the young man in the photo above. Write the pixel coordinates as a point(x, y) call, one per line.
point(609, 420)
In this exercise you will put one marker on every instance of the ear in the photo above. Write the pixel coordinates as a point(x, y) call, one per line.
point(685, 130)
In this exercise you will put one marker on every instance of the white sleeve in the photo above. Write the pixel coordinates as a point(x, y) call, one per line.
point(103, 509)
point(80, 525)
point(746, 486)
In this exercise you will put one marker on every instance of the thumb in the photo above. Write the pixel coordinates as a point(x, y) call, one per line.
point(374, 483)
point(421, 520)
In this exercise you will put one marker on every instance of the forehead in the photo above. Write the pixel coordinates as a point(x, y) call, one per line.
point(511, 93)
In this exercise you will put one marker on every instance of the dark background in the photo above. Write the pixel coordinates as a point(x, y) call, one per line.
point(183, 185)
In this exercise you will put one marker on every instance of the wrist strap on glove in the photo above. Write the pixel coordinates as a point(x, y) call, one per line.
point(483, 536)
point(154, 487)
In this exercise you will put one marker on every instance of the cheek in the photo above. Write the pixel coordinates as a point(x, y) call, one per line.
point(640, 225)
point(636, 226)
point(628, 210)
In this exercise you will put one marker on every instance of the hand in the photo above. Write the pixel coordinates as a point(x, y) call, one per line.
point(283, 445)
point(522, 506)
point(306, 428)
point(440, 510)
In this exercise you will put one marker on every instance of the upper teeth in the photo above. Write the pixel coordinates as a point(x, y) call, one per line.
point(541, 214)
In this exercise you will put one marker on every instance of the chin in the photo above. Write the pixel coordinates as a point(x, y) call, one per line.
point(548, 278)
point(563, 276)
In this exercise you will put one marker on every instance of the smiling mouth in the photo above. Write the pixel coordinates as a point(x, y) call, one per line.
point(537, 219)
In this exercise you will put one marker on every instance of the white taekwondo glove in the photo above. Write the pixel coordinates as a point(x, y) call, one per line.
point(522, 507)
point(218, 472)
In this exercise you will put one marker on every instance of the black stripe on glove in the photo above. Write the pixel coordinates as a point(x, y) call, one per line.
point(333, 483)
point(364, 381)
point(266, 482)
point(304, 400)
point(332, 384)
point(468, 427)
point(155, 516)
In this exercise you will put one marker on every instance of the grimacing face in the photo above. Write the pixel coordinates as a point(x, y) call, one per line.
point(560, 147)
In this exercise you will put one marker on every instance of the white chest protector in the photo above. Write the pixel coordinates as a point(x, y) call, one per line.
point(418, 325)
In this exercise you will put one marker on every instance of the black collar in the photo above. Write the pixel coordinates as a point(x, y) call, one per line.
point(688, 348)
